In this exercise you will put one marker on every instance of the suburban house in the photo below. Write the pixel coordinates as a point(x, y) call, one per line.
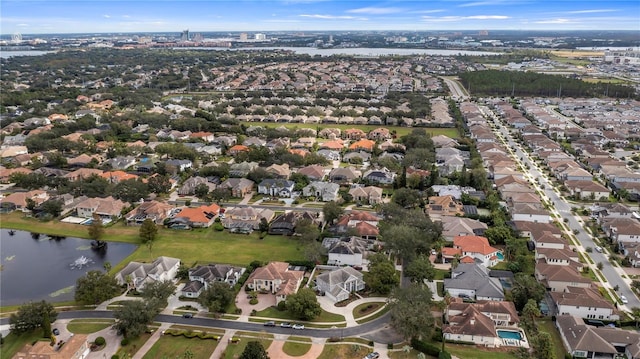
point(279, 171)
point(440, 206)
point(472, 280)
point(478, 323)
point(557, 278)
point(153, 210)
point(344, 174)
point(586, 341)
point(530, 212)
point(346, 250)
point(137, 274)
point(198, 217)
point(322, 191)
point(19, 200)
point(179, 165)
point(583, 302)
point(622, 230)
point(381, 176)
point(246, 219)
point(104, 207)
point(585, 190)
point(188, 188)
point(76, 347)
point(313, 172)
point(201, 276)
point(239, 187)
point(338, 284)
point(242, 169)
point(367, 195)
point(285, 223)
point(460, 226)
point(476, 249)
point(276, 187)
point(276, 278)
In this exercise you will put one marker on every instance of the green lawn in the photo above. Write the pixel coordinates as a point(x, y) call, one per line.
point(169, 346)
point(344, 351)
point(412, 354)
point(324, 317)
point(366, 309)
point(13, 343)
point(133, 346)
point(546, 325)
point(201, 245)
point(234, 351)
point(294, 348)
point(377, 315)
point(440, 274)
point(88, 326)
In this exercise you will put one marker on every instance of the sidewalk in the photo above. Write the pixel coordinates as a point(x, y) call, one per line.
point(151, 341)
point(222, 345)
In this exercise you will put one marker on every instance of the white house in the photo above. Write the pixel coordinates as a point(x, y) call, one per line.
point(340, 283)
point(137, 274)
point(346, 251)
point(323, 191)
point(583, 302)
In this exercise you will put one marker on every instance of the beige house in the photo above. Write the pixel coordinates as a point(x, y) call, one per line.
point(77, 347)
point(369, 194)
point(104, 207)
point(276, 278)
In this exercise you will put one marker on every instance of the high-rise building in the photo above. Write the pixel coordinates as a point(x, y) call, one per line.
point(243, 36)
point(260, 36)
point(185, 35)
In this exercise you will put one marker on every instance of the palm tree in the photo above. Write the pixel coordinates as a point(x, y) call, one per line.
point(635, 312)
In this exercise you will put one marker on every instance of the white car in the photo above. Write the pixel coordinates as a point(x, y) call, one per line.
point(599, 249)
point(298, 326)
point(624, 299)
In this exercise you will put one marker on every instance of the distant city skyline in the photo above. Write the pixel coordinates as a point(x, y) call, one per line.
point(121, 16)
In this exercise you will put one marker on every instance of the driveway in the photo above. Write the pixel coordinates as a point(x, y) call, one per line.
point(264, 301)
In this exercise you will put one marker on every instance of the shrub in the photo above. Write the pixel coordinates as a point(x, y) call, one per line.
point(100, 341)
point(334, 339)
point(218, 227)
point(238, 311)
point(425, 347)
point(371, 343)
point(124, 342)
point(114, 356)
point(282, 306)
point(253, 301)
point(253, 312)
point(389, 346)
point(444, 355)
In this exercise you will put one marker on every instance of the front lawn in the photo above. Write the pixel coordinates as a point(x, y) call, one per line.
point(295, 348)
point(169, 346)
point(88, 326)
point(234, 350)
point(332, 351)
point(134, 345)
point(324, 317)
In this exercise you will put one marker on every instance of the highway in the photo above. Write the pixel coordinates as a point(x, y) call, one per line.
point(458, 92)
point(562, 208)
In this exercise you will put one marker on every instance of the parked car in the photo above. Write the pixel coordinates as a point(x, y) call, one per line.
point(374, 355)
point(599, 249)
point(187, 315)
point(624, 299)
point(298, 326)
point(270, 323)
point(55, 331)
point(285, 325)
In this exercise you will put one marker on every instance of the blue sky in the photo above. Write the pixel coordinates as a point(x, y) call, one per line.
point(98, 16)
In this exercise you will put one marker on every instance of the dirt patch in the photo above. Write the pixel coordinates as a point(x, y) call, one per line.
point(275, 351)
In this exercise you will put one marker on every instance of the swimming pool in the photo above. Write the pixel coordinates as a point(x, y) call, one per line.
point(509, 334)
point(500, 256)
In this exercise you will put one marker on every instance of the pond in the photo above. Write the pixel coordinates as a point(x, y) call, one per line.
point(39, 267)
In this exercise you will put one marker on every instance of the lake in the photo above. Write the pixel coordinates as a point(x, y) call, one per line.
point(8, 54)
point(40, 268)
point(355, 51)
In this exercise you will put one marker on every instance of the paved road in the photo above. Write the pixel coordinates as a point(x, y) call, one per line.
point(563, 208)
point(457, 90)
point(360, 330)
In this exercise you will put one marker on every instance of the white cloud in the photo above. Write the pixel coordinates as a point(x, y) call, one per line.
point(375, 10)
point(462, 18)
point(429, 11)
point(593, 11)
point(106, 16)
point(486, 17)
point(482, 3)
point(555, 21)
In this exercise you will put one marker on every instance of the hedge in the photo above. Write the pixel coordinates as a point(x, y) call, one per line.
point(424, 347)
point(191, 334)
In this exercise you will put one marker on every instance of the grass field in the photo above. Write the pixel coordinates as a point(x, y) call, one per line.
point(400, 131)
point(324, 317)
point(88, 326)
point(296, 349)
point(169, 346)
point(134, 345)
point(546, 325)
point(233, 351)
point(412, 354)
point(576, 53)
point(344, 351)
point(199, 245)
point(475, 352)
point(364, 309)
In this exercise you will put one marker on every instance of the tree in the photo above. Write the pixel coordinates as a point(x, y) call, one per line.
point(382, 276)
point(314, 251)
point(96, 230)
point(263, 225)
point(526, 287)
point(304, 304)
point(217, 297)
point(542, 346)
point(331, 211)
point(131, 190)
point(132, 318)
point(159, 290)
point(95, 287)
point(498, 235)
point(407, 198)
point(52, 207)
point(635, 313)
point(159, 184)
point(529, 313)
point(420, 269)
point(30, 316)
point(409, 310)
point(148, 233)
point(201, 191)
point(46, 325)
point(406, 241)
point(307, 230)
point(254, 350)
